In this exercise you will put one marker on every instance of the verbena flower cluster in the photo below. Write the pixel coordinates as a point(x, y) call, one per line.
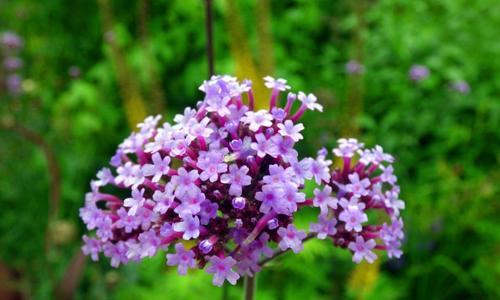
point(221, 185)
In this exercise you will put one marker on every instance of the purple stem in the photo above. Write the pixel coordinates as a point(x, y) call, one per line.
point(299, 113)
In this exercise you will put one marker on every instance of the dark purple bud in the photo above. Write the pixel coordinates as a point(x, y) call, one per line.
point(236, 145)
point(218, 194)
point(239, 202)
point(269, 132)
point(273, 223)
point(205, 246)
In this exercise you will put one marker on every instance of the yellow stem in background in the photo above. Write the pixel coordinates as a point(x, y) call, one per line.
point(240, 50)
point(362, 280)
point(153, 84)
point(355, 83)
point(264, 36)
point(135, 109)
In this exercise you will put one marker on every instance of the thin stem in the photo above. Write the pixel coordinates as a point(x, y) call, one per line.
point(225, 291)
point(249, 286)
point(209, 33)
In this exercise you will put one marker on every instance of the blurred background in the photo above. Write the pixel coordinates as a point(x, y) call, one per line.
point(421, 78)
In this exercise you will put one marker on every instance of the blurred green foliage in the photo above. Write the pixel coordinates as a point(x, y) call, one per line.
point(447, 144)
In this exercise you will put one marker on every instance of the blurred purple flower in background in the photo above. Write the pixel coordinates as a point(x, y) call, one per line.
point(11, 41)
point(14, 84)
point(12, 63)
point(74, 72)
point(461, 86)
point(419, 72)
point(354, 67)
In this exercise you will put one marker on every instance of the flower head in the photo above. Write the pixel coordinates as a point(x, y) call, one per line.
point(229, 179)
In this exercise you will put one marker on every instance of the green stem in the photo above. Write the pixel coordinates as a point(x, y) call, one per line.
point(249, 286)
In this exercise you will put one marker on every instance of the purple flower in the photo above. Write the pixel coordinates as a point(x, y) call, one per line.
point(325, 227)
point(284, 147)
point(129, 174)
point(261, 245)
point(104, 177)
point(91, 215)
point(126, 221)
point(393, 202)
point(159, 167)
point(104, 232)
point(393, 248)
point(238, 178)
point(149, 242)
point(291, 130)
point(309, 101)
point(291, 238)
point(190, 226)
point(166, 230)
point(324, 200)
point(117, 252)
point(91, 247)
point(277, 175)
point(164, 200)
point(292, 197)
point(279, 114)
point(182, 258)
point(418, 72)
point(302, 169)
point(380, 156)
point(353, 215)
point(320, 170)
point(347, 147)
point(387, 175)
point(146, 216)
point(354, 67)
point(222, 270)
point(393, 231)
point(362, 250)
point(190, 204)
point(208, 212)
point(278, 84)
point(357, 187)
point(257, 119)
point(270, 197)
point(263, 146)
point(135, 202)
point(185, 181)
point(211, 163)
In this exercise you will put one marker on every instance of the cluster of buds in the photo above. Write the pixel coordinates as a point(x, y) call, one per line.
point(221, 186)
point(10, 45)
